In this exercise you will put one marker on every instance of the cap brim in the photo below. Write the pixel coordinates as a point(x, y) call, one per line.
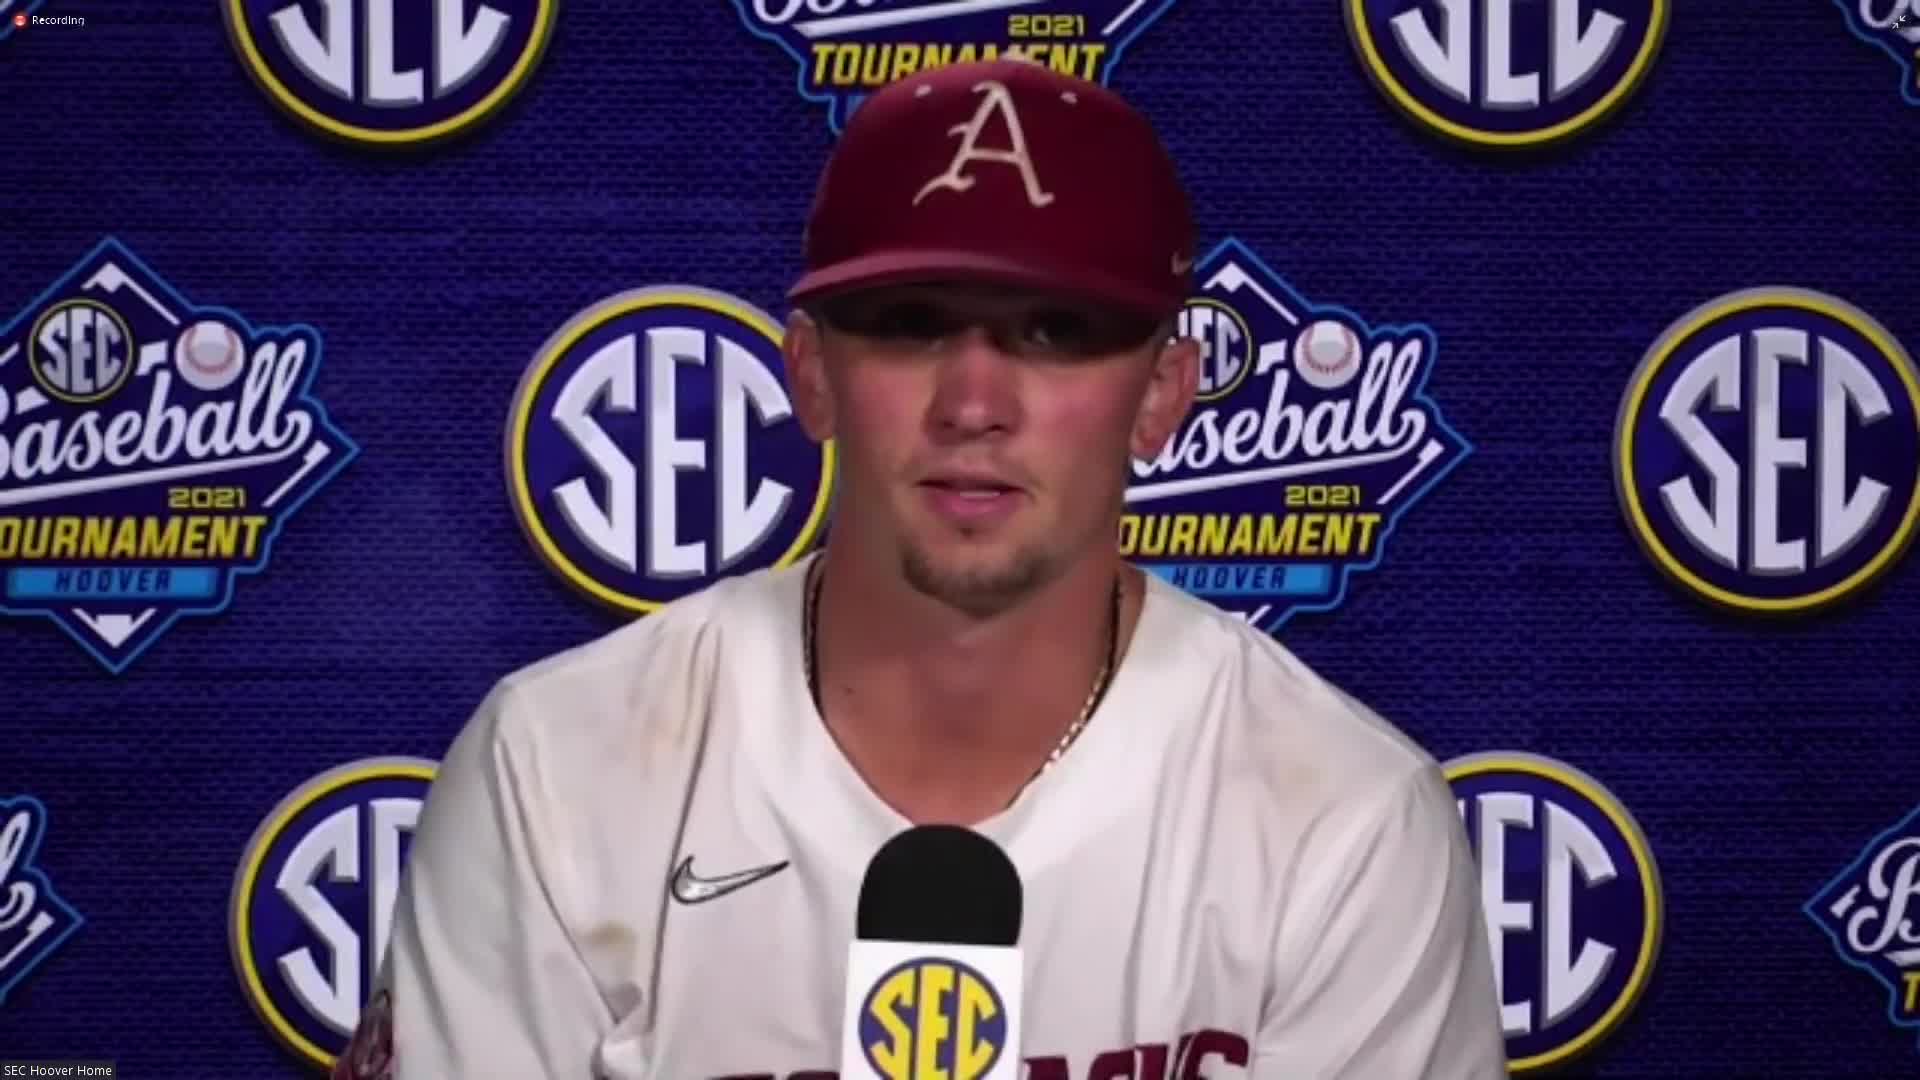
point(923, 267)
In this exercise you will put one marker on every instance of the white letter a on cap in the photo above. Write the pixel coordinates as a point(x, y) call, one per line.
point(998, 100)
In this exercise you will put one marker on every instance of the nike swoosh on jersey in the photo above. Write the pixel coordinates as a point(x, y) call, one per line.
point(688, 888)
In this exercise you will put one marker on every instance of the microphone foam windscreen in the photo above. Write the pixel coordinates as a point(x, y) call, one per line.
point(942, 884)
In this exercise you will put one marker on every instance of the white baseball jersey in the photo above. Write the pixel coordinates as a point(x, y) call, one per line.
point(641, 859)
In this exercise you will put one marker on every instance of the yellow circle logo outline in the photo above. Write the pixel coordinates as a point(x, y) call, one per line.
point(919, 966)
point(1651, 895)
point(126, 335)
point(520, 419)
point(265, 839)
point(241, 36)
point(1246, 336)
point(1383, 78)
point(1684, 328)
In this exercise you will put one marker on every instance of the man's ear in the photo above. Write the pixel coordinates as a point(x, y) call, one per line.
point(801, 349)
point(1172, 382)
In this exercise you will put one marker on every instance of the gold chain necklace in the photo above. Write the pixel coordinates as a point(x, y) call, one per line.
point(811, 631)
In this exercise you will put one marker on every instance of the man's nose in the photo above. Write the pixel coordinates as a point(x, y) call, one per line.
point(976, 388)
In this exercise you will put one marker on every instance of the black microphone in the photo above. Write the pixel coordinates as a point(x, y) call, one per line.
point(940, 883)
point(934, 975)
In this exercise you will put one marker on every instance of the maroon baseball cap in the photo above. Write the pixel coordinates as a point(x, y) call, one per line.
point(1003, 171)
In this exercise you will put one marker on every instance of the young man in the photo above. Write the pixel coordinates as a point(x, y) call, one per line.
point(641, 857)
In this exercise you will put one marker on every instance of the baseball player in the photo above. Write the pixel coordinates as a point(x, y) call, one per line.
point(640, 858)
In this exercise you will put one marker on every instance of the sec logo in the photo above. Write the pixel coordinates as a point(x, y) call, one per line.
point(389, 72)
point(1507, 73)
point(933, 1017)
point(1767, 451)
point(1573, 901)
point(652, 448)
point(313, 900)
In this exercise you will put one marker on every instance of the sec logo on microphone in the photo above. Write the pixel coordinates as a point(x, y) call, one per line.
point(933, 1017)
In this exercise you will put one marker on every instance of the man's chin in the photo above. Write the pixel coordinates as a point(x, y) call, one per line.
point(986, 579)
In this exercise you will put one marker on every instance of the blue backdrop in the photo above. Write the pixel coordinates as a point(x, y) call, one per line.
point(1512, 608)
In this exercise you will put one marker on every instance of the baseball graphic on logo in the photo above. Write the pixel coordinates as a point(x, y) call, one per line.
point(209, 355)
point(1326, 354)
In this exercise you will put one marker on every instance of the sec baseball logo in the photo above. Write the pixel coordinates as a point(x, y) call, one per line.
point(313, 900)
point(151, 449)
point(1573, 901)
point(1767, 451)
point(1893, 26)
point(390, 72)
point(1310, 437)
point(34, 920)
point(845, 50)
point(652, 448)
point(1868, 912)
point(1507, 73)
